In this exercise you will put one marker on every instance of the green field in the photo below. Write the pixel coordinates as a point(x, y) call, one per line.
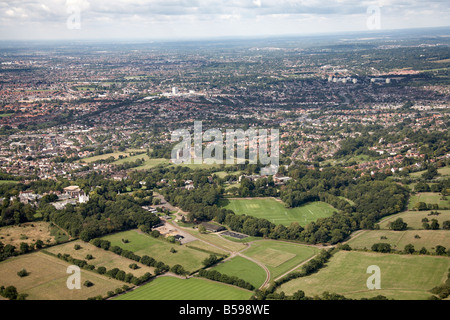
point(276, 212)
point(143, 244)
point(399, 239)
point(170, 288)
point(428, 198)
point(243, 269)
point(444, 171)
point(414, 218)
point(279, 257)
point(8, 181)
point(116, 155)
point(402, 277)
point(148, 162)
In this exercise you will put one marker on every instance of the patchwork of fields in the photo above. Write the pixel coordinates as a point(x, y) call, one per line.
point(48, 276)
point(143, 244)
point(402, 276)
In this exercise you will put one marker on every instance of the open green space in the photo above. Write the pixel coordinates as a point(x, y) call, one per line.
point(47, 278)
point(159, 249)
point(170, 288)
point(414, 218)
point(276, 212)
point(402, 276)
point(243, 269)
point(279, 257)
point(428, 198)
point(399, 239)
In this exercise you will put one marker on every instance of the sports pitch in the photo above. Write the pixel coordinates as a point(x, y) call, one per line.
point(279, 257)
point(170, 288)
point(243, 269)
point(277, 213)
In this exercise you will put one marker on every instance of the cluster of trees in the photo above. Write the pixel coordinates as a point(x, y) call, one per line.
point(11, 293)
point(160, 267)
point(263, 187)
point(398, 225)
point(7, 251)
point(381, 247)
point(233, 280)
point(15, 212)
point(102, 215)
point(211, 260)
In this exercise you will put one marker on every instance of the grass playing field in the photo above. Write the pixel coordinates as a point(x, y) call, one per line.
point(276, 212)
point(142, 244)
point(279, 257)
point(402, 276)
point(170, 288)
point(243, 269)
point(48, 276)
point(399, 239)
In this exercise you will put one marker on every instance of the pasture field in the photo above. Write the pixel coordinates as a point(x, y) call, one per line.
point(202, 246)
point(444, 171)
point(148, 162)
point(48, 276)
point(170, 288)
point(159, 249)
point(414, 218)
point(276, 212)
point(30, 232)
point(102, 258)
point(105, 156)
point(399, 239)
point(243, 269)
point(428, 198)
point(403, 277)
point(279, 257)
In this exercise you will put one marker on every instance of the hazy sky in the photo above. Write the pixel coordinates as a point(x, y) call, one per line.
point(174, 19)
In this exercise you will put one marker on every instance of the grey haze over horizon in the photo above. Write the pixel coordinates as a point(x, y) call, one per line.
point(190, 19)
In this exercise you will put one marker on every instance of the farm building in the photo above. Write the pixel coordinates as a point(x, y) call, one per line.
point(212, 227)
